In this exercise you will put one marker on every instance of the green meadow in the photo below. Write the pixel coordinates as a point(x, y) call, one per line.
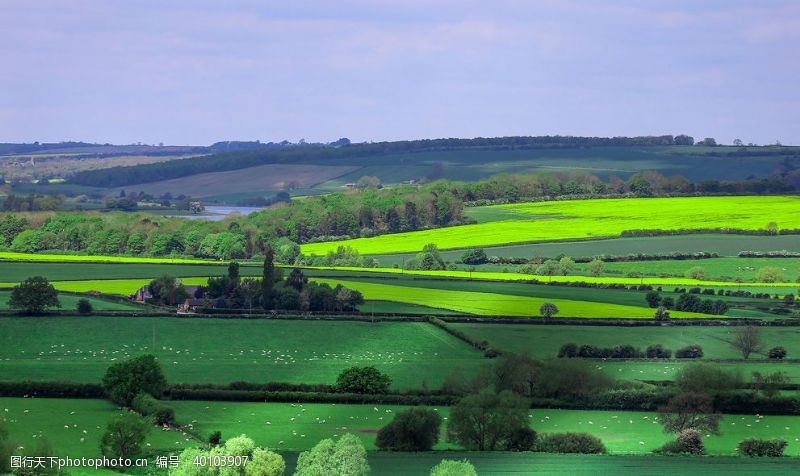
point(584, 219)
point(193, 350)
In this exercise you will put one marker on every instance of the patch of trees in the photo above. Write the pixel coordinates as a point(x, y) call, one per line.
point(254, 460)
point(260, 155)
point(688, 302)
point(364, 380)
point(34, 296)
point(587, 351)
point(31, 203)
point(274, 292)
point(414, 429)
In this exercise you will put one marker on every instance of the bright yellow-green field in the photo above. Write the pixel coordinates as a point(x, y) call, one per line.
point(123, 287)
point(498, 276)
point(491, 304)
point(586, 219)
point(10, 256)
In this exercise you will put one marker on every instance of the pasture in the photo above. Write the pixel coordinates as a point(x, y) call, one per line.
point(193, 350)
point(584, 219)
point(298, 427)
point(54, 258)
point(724, 245)
point(491, 304)
point(70, 301)
point(74, 427)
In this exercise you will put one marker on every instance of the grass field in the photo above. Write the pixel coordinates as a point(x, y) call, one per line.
point(12, 256)
point(716, 268)
point(724, 245)
point(70, 301)
point(260, 180)
point(297, 427)
point(54, 271)
point(779, 288)
point(504, 464)
point(225, 350)
point(584, 219)
point(73, 427)
point(488, 304)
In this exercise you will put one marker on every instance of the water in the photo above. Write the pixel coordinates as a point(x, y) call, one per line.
point(219, 212)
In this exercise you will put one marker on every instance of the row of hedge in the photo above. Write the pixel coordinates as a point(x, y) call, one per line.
point(769, 254)
point(655, 351)
point(650, 398)
point(705, 231)
point(306, 397)
point(482, 345)
point(148, 406)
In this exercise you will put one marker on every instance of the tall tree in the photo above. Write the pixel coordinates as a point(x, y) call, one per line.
point(747, 339)
point(268, 279)
point(484, 421)
point(34, 295)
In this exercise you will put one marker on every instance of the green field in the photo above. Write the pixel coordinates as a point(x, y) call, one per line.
point(779, 288)
point(73, 427)
point(220, 351)
point(584, 219)
point(70, 301)
point(297, 427)
point(716, 268)
point(55, 271)
point(724, 245)
point(11, 256)
point(622, 433)
point(491, 304)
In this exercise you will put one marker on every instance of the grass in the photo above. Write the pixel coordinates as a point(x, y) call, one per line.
point(544, 341)
point(70, 301)
point(716, 269)
point(12, 256)
point(122, 287)
point(73, 427)
point(298, 427)
point(220, 351)
point(628, 281)
point(57, 271)
point(491, 304)
point(502, 463)
point(724, 245)
point(584, 219)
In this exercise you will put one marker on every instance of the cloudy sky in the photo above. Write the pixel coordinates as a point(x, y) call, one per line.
point(198, 71)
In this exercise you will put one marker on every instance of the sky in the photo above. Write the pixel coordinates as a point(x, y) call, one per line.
point(199, 71)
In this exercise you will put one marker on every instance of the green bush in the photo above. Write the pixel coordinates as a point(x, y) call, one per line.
point(415, 429)
point(84, 306)
point(521, 439)
point(777, 353)
point(124, 380)
point(689, 441)
point(148, 406)
point(757, 447)
point(449, 467)
point(367, 380)
point(693, 351)
point(582, 443)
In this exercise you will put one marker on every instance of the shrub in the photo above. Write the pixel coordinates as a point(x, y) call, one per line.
point(583, 443)
point(569, 350)
point(124, 436)
point(757, 447)
point(215, 438)
point(363, 380)
point(415, 429)
point(689, 441)
point(124, 380)
point(693, 351)
point(777, 353)
point(661, 312)
point(657, 351)
point(148, 406)
point(521, 439)
point(449, 467)
point(84, 306)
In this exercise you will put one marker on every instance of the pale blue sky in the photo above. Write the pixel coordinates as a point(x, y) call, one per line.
point(198, 71)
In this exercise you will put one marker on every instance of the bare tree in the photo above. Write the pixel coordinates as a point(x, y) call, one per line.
point(689, 410)
point(747, 340)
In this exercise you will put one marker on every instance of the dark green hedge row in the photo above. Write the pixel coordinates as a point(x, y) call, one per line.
point(481, 345)
point(307, 397)
point(148, 406)
point(51, 389)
